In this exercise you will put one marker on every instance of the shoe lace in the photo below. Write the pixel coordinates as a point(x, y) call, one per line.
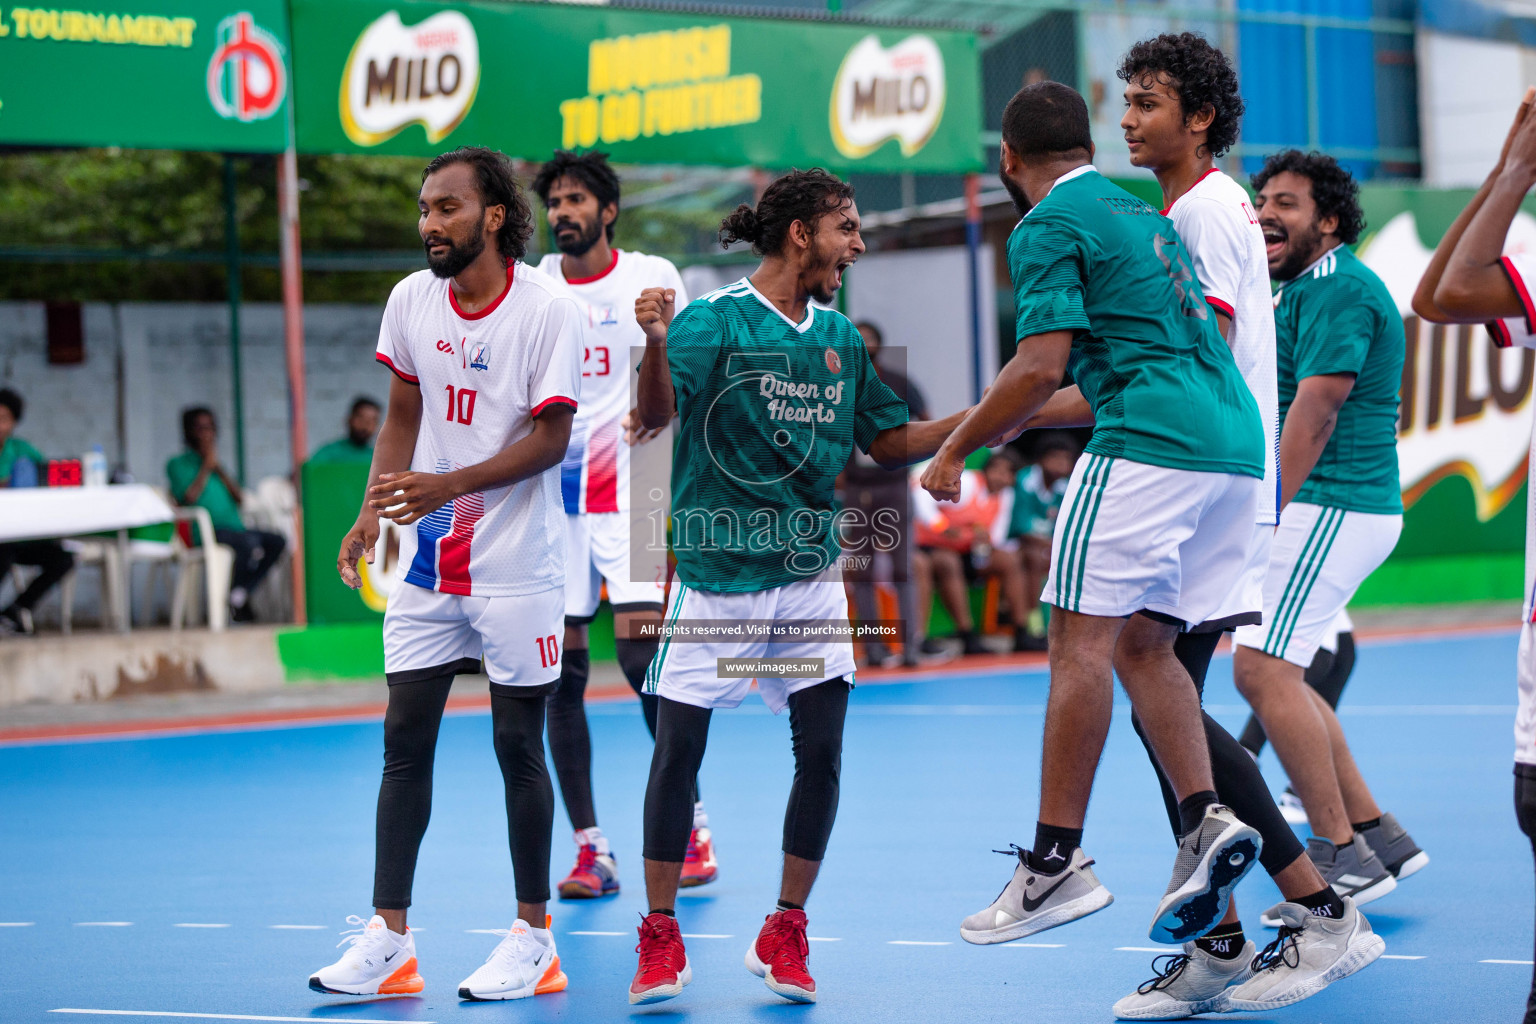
point(1284, 951)
point(692, 855)
point(508, 950)
point(586, 857)
point(1166, 968)
point(1016, 852)
point(794, 949)
point(361, 940)
point(654, 949)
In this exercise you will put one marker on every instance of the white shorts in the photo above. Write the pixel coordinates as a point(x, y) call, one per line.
point(1244, 603)
point(1132, 537)
point(598, 549)
point(517, 637)
point(688, 671)
point(1320, 557)
point(1525, 712)
point(1342, 624)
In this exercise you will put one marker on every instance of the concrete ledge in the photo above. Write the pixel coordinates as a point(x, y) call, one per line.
point(90, 667)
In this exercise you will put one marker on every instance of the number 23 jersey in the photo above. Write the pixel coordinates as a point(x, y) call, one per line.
point(484, 377)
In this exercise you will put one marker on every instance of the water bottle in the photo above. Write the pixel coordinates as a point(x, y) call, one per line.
point(94, 467)
point(24, 473)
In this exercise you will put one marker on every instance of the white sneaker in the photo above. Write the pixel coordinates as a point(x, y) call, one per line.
point(1290, 807)
point(520, 966)
point(1308, 955)
point(1033, 901)
point(378, 963)
point(1187, 983)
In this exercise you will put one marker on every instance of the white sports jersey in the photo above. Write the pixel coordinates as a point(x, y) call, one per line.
point(1522, 331)
point(484, 377)
point(1222, 234)
point(594, 476)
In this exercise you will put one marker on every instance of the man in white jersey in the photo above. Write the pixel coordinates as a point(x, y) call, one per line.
point(485, 352)
point(1470, 281)
point(581, 200)
point(1184, 109)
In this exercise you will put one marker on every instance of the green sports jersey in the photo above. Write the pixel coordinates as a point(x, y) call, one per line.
point(1338, 317)
point(768, 414)
point(1093, 259)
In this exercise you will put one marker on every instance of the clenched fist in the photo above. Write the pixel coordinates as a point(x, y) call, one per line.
point(654, 310)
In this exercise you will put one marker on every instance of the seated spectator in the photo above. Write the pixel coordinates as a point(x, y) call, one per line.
point(198, 478)
point(21, 465)
point(1036, 499)
point(357, 446)
point(969, 540)
point(882, 498)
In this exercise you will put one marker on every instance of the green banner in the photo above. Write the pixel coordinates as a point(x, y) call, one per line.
point(647, 87)
point(152, 74)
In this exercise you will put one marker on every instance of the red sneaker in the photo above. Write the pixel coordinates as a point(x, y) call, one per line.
point(664, 966)
point(595, 874)
point(699, 867)
point(779, 956)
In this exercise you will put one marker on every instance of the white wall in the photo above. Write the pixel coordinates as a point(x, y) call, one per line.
point(176, 355)
point(1468, 92)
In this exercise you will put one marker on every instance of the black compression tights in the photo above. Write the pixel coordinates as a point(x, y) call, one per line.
point(816, 717)
point(1327, 675)
point(405, 797)
point(1525, 813)
point(1239, 784)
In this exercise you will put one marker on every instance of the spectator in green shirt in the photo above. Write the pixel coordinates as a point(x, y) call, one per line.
point(357, 446)
point(1037, 496)
point(47, 555)
point(198, 478)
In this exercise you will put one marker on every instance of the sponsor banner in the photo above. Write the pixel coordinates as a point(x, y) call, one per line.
point(417, 78)
point(153, 74)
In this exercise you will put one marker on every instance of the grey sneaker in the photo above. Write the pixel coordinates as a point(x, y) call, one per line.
point(1395, 847)
point(1187, 983)
point(1032, 901)
point(1212, 860)
point(1308, 955)
point(1354, 871)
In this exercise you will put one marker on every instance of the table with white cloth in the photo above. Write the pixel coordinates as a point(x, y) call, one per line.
point(45, 513)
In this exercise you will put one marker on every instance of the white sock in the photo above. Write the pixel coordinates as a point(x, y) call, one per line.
point(593, 837)
point(700, 819)
point(542, 936)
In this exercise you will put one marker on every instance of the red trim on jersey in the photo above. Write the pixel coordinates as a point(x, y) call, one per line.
point(397, 371)
point(1222, 306)
point(603, 468)
point(1187, 191)
point(597, 276)
point(561, 399)
point(1499, 331)
point(1520, 289)
point(488, 310)
point(453, 549)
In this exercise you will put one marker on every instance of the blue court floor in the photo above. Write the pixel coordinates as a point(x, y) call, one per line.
point(205, 876)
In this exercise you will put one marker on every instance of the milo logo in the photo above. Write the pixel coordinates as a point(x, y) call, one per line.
point(399, 75)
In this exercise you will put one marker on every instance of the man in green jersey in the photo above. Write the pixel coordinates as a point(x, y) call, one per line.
point(1156, 520)
point(1339, 358)
point(20, 466)
point(772, 394)
point(357, 446)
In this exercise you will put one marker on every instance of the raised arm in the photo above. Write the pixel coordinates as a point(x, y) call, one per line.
point(655, 400)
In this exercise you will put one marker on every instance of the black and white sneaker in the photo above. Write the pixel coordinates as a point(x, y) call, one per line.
point(1033, 901)
point(1212, 860)
point(1396, 849)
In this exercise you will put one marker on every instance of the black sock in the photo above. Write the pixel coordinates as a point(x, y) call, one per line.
point(1053, 847)
point(786, 905)
point(1361, 826)
point(1323, 903)
point(1225, 943)
point(665, 913)
point(1192, 810)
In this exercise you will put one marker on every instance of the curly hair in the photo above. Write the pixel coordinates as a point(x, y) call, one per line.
point(1201, 74)
point(798, 195)
point(591, 169)
point(498, 187)
point(1333, 188)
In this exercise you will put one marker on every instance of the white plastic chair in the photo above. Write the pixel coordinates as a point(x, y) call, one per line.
point(102, 554)
point(209, 559)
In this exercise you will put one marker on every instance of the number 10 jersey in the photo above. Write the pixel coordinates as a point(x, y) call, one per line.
point(484, 376)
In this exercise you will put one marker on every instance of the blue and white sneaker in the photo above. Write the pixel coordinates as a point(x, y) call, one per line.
point(1212, 860)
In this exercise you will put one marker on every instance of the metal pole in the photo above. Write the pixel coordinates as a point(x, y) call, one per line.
point(293, 339)
point(232, 278)
point(973, 266)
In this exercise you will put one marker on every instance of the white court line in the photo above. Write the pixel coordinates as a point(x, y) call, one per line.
point(103, 924)
point(911, 942)
point(1523, 963)
point(701, 935)
point(191, 925)
point(597, 933)
point(17, 924)
point(1033, 945)
point(298, 927)
point(483, 931)
point(1144, 949)
point(219, 1016)
point(1399, 956)
point(822, 938)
